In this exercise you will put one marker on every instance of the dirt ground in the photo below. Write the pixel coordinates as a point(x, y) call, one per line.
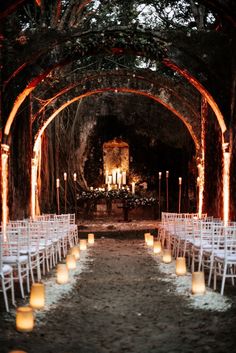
point(119, 304)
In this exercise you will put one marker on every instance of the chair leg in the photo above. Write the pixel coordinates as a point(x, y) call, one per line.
point(200, 262)
point(5, 295)
point(223, 279)
point(31, 270)
point(38, 269)
point(21, 282)
point(211, 270)
point(27, 279)
point(12, 291)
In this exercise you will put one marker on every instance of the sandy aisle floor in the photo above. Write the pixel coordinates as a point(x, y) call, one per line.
point(119, 304)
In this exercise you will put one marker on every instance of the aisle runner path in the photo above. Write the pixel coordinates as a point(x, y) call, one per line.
point(120, 305)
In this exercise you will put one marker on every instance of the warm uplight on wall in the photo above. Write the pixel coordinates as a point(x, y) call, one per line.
point(4, 161)
point(226, 182)
point(200, 185)
point(24, 319)
point(37, 296)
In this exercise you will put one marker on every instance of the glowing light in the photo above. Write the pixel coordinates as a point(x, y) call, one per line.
point(5, 211)
point(200, 182)
point(33, 186)
point(226, 182)
point(35, 179)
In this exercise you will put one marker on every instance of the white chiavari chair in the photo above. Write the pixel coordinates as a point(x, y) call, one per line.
point(6, 276)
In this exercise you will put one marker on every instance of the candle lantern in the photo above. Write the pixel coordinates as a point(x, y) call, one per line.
point(76, 252)
point(146, 235)
point(157, 247)
point(180, 266)
point(24, 319)
point(150, 240)
point(70, 262)
point(62, 274)
point(90, 238)
point(166, 258)
point(83, 244)
point(37, 296)
point(198, 283)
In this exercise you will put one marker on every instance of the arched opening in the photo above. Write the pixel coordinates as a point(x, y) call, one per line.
point(144, 123)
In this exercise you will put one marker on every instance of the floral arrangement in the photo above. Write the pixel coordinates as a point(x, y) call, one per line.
point(130, 200)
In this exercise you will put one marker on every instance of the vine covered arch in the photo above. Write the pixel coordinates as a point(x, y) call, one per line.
point(35, 64)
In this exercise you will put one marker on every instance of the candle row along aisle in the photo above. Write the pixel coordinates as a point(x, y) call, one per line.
point(190, 284)
point(65, 275)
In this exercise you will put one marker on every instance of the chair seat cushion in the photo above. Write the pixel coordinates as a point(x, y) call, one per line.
point(15, 259)
point(6, 269)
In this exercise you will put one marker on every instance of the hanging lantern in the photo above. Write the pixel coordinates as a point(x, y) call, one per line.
point(90, 238)
point(70, 262)
point(37, 296)
point(166, 258)
point(150, 240)
point(76, 252)
point(198, 283)
point(83, 244)
point(24, 319)
point(157, 247)
point(181, 266)
point(62, 274)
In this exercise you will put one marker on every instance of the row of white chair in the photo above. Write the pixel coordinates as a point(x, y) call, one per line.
point(207, 243)
point(30, 247)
